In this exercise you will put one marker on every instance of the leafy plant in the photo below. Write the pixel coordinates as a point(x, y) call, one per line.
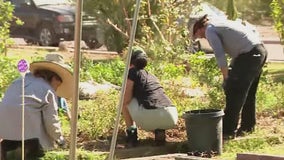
point(6, 17)
point(157, 20)
point(98, 116)
point(277, 15)
point(251, 10)
point(165, 71)
point(81, 155)
point(8, 73)
point(103, 71)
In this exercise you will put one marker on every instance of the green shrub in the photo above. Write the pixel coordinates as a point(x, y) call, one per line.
point(6, 16)
point(101, 71)
point(98, 116)
point(166, 71)
point(81, 155)
point(278, 17)
point(8, 73)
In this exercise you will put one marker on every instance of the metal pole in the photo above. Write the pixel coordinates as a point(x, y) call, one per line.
point(131, 40)
point(23, 117)
point(23, 67)
point(77, 59)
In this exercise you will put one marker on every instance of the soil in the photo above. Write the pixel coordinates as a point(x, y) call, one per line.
point(175, 143)
point(176, 139)
point(175, 135)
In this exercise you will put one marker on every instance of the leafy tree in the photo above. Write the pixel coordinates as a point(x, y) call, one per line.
point(252, 10)
point(277, 15)
point(8, 73)
point(6, 16)
point(158, 20)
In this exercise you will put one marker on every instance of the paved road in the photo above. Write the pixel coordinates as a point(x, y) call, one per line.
point(272, 43)
point(267, 33)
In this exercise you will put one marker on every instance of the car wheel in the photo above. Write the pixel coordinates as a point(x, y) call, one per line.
point(93, 43)
point(47, 36)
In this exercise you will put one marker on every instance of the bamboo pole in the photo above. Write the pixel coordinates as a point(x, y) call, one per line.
point(131, 40)
point(77, 59)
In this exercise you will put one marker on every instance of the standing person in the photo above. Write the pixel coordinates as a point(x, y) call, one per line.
point(241, 77)
point(45, 81)
point(145, 103)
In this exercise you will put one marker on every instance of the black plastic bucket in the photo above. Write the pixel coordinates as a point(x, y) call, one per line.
point(204, 130)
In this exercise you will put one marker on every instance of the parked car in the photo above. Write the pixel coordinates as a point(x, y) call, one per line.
point(213, 13)
point(47, 22)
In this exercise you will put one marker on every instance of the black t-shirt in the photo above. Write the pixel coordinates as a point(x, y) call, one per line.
point(147, 89)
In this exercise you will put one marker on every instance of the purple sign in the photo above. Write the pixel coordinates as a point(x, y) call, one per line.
point(23, 66)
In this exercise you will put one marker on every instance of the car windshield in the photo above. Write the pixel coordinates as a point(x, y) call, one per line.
point(48, 2)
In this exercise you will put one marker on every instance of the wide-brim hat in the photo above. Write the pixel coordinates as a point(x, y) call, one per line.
point(55, 63)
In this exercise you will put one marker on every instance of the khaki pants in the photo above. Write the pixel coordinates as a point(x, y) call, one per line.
point(151, 119)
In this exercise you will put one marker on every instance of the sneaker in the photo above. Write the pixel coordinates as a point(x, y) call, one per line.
point(132, 138)
point(160, 137)
point(243, 132)
point(229, 136)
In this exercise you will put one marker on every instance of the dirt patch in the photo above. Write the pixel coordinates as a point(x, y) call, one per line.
point(270, 123)
point(175, 135)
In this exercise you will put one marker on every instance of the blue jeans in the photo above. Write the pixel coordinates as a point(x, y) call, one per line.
point(240, 90)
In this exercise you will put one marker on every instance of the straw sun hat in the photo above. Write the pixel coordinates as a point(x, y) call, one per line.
point(55, 63)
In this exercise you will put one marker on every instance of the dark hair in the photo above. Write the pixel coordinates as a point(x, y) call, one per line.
point(46, 75)
point(200, 23)
point(139, 59)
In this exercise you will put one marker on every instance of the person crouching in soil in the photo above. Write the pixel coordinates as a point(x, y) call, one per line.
point(145, 103)
point(45, 81)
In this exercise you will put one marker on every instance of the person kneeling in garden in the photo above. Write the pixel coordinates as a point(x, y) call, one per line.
point(145, 103)
point(45, 81)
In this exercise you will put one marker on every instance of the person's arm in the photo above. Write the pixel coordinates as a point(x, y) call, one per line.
point(127, 99)
point(50, 117)
point(216, 44)
point(65, 108)
point(128, 92)
point(224, 71)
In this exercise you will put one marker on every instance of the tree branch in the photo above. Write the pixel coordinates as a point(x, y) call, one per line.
point(117, 28)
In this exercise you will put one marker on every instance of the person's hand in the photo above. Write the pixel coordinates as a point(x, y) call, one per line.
point(61, 142)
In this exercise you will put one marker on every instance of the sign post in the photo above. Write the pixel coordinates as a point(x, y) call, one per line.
point(23, 67)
